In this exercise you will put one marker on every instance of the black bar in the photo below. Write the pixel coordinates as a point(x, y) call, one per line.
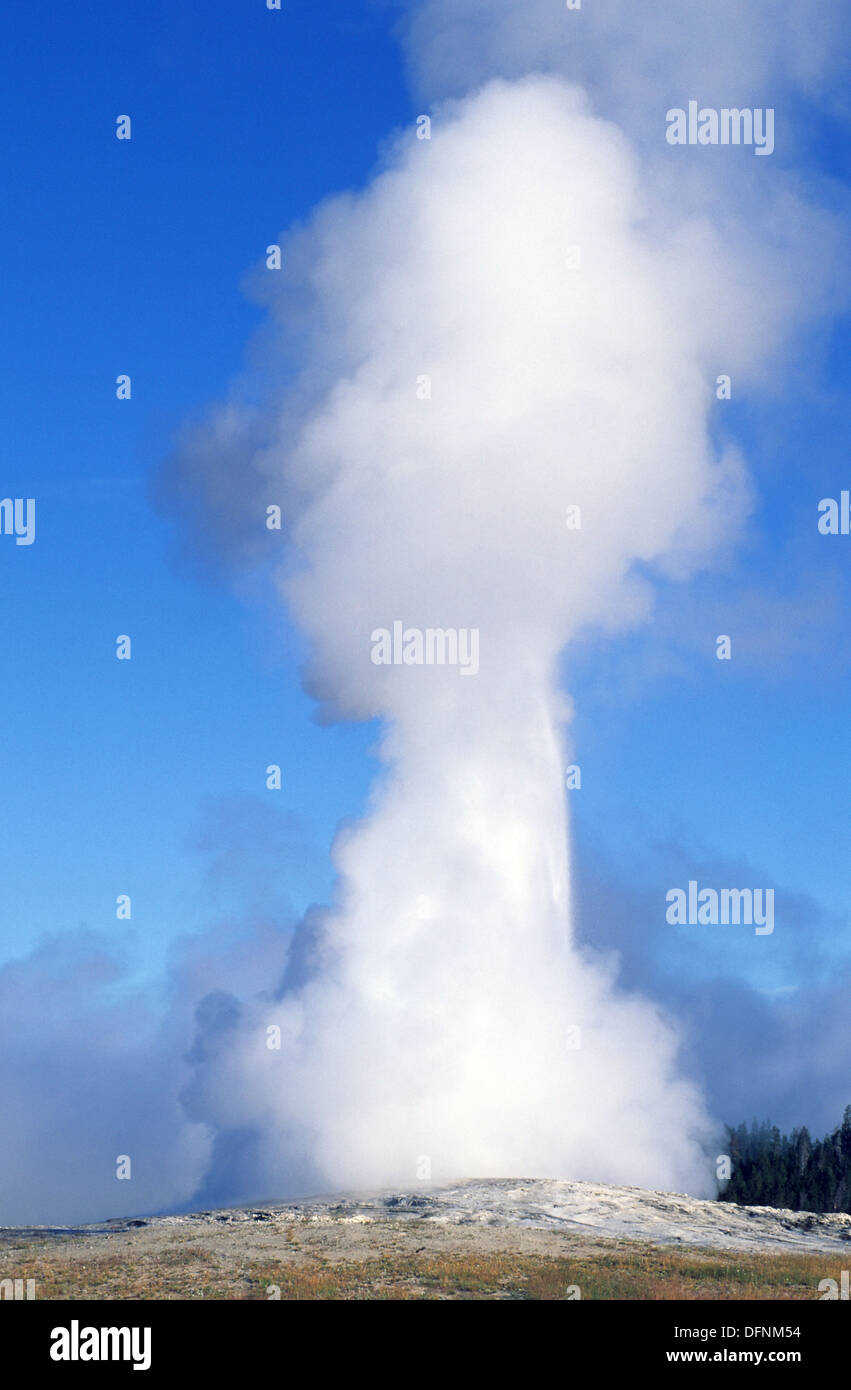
point(246, 1337)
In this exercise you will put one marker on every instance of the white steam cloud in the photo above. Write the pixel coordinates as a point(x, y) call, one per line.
point(564, 297)
point(636, 59)
point(439, 1019)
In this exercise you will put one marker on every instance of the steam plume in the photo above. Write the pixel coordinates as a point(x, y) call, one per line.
point(438, 1020)
point(563, 298)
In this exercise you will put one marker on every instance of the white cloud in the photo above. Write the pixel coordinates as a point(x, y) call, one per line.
point(637, 59)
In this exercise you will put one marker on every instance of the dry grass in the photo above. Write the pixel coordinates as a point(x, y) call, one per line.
point(626, 1272)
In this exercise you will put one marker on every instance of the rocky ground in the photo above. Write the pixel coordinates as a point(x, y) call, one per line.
point(504, 1238)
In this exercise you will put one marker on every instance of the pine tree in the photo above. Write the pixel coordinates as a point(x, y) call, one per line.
point(771, 1169)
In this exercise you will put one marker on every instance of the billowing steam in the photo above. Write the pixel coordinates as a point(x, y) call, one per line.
point(503, 410)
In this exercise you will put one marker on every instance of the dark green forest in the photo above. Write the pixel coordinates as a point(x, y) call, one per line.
point(770, 1169)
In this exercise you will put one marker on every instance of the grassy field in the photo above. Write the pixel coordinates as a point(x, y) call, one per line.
point(625, 1271)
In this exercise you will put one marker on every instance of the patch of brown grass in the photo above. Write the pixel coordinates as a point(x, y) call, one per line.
point(627, 1272)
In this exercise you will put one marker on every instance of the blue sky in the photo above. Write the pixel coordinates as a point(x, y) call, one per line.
point(129, 257)
point(147, 777)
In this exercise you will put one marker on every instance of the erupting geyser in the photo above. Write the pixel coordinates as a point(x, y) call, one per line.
point(450, 1026)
